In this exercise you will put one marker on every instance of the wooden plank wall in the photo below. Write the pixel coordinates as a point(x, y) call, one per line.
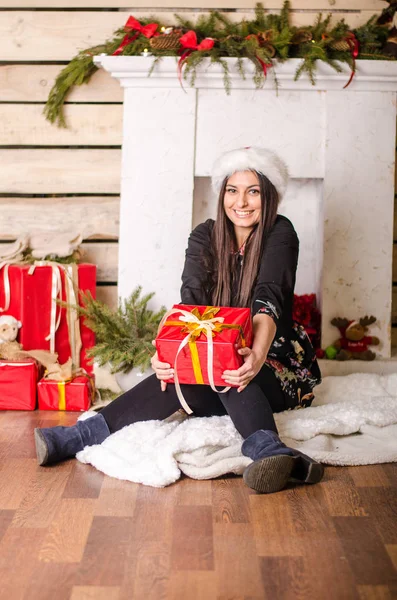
point(54, 179)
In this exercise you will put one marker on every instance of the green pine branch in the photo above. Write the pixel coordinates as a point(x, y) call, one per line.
point(123, 336)
point(231, 41)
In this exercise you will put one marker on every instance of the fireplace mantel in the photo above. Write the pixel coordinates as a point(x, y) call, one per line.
point(342, 138)
point(132, 71)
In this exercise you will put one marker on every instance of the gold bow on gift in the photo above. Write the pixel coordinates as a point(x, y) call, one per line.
point(194, 324)
point(64, 374)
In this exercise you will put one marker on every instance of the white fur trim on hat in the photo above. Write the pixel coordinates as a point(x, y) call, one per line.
point(10, 320)
point(252, 158)
point(352, 324)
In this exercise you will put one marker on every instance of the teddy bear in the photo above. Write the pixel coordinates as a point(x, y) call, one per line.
point(9, 327)
point(10, 349)
point(353, 343)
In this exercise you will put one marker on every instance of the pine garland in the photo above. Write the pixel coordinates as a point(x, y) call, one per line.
point(124, 336)
point(266, 37)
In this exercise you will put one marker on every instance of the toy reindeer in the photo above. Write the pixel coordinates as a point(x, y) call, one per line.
point(353, 343)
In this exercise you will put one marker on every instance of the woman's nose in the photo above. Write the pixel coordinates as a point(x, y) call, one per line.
point(241, 200)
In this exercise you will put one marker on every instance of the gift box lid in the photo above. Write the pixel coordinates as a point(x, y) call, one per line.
point(27, 362)
point(174, 330)
point(78, 380)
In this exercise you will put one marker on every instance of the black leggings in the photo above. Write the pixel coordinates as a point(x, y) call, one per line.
point(250, 410)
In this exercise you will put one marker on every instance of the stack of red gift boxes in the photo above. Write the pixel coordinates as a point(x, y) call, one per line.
point(29, 294)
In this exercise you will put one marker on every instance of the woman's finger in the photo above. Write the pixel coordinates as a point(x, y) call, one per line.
point(156, 364)
point(241, 372)
point(244, 351)
point(165, 374)
point(242, 387)
point(240, 380)
point(163, 386)
point(238, 372)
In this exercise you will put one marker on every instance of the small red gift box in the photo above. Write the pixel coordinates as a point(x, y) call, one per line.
point(75, 395)
point(29, 293)
point(18, 381)
point(232, 331)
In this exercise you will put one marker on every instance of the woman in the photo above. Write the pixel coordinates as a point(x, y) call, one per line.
point(247, 257)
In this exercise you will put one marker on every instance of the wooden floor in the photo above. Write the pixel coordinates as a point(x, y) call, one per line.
point(69, 532)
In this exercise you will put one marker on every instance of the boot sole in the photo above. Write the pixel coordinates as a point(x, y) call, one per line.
point(271, 474)
point(315, 473)
point(307, 471)
point(41, 447)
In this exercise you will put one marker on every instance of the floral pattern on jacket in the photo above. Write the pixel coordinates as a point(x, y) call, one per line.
point(294, 363)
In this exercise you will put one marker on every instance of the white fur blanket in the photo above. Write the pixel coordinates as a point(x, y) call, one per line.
point(353, 421)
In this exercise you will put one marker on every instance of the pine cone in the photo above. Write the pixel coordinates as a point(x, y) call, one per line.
point(166, 42)
point(340, 45)
point(267, 35)
point(302, 36)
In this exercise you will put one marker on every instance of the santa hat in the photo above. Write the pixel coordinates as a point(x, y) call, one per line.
point(9, 320)
point(251, 158)
point(352, 324)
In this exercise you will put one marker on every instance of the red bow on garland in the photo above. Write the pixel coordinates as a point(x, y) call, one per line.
point(262, 62)
point(354, 48)
point(189, 42)
point(132, 24)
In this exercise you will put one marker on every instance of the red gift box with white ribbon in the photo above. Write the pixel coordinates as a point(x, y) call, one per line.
point(201, 342)
point(30, 293)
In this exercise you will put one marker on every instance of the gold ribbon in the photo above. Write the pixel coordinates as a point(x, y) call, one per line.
point(62, 391)
point(61, 395)
point(194, 324)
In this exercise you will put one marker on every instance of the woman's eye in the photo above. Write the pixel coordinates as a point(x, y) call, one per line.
point(254, 191)
point(230, 191)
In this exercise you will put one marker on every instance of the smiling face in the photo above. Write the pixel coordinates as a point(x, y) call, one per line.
point(242, 202)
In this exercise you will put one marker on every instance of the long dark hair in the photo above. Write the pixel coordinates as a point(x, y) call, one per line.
point(224, 246)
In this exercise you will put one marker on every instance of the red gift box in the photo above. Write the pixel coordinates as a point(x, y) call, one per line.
point(75, 395)
point(232, 333)
point(31, 300)
point(18, 382)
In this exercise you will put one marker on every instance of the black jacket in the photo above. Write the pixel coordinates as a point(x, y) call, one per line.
point(274, 289)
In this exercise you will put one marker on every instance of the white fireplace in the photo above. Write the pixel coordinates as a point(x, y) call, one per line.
point(340, 148)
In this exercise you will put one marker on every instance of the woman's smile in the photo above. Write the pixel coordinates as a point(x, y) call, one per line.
point(243, 214)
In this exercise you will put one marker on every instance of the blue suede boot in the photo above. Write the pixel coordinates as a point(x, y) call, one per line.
point(58, 443)
point(275, 464)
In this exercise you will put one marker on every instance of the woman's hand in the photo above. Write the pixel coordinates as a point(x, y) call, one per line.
point(242, 376)
point(163, 370)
